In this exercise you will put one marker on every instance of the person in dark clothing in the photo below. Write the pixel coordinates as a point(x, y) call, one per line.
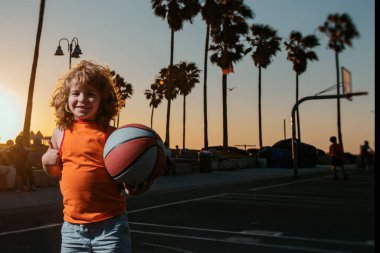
point(24, 174)
point(170, 163)
point(365, 156)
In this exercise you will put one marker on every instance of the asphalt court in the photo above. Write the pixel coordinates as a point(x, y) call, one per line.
point(316, 214)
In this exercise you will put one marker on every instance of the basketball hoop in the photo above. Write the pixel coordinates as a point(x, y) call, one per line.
point(347, 84)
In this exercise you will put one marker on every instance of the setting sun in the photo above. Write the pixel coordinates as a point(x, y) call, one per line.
point(10, 115)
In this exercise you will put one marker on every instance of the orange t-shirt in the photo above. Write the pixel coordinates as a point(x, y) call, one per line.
point(89, 193)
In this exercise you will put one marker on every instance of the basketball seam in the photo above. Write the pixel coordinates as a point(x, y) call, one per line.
point(137, 158)
point(136, 138)
point(157, 157)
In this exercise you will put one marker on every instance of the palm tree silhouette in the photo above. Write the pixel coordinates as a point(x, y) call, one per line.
point(212, 16)
point(167, 84)
point(155, 98)
point(124, 91)
point(299, 51)
point(187, 75)
point(227, 46)
point(29, 103)
point(176, 13)
point(340, 30)
point(265, 44)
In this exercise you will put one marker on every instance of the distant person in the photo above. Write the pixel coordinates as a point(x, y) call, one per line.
point(7, 168)
point(170, 163)
point(337, 157)
point(95, 217)
point(177, 151)
point(24, 173)
point(366, 154)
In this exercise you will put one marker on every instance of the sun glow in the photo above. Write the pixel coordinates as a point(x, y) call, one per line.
point(10, 115)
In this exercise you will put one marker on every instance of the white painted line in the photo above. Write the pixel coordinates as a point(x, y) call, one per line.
point(242, 242)
point(175, 203)
point(30, 229)
point(286, 196)
point(262, 233)
point(245, 232)
point(288, 183)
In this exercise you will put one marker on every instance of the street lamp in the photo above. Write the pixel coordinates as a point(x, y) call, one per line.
point(72, 54)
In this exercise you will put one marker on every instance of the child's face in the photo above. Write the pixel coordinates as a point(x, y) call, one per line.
point(83, 102)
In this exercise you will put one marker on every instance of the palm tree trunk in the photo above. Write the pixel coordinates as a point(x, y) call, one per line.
point(225, 125)
point(340, 139)
point(167, 121)
point(151, 118)
point(205, 88)
point(298, 113)
point(260, 130)
point(29, 104)
point(167, 137)
point(184, 123)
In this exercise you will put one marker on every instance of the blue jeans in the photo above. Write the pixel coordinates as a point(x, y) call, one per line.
point(109, 236)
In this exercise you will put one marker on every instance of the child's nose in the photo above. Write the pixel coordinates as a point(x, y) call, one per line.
point(82, 97)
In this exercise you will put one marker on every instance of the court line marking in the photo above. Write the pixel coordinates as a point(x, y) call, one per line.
point(262, 234)
point(231, 240)
point(368, 243)
point(30, 229)
point(288, 183)
point(133, 211)
point(251, 232)
point(175, 203)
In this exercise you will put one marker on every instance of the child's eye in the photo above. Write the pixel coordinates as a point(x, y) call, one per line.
point(92, 94)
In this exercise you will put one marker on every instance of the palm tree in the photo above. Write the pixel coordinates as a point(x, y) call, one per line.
point(265, 44)
point(212, 16)
point(124, 91)
point(29, 104)
point(187, 75)
point(167, 84)
point(227, 46)
point(155, 98)
point(340, 30)
point(176, 12)
point(299, 51)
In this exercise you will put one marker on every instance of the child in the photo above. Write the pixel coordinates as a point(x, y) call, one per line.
point(94, 207)
point(336, 154)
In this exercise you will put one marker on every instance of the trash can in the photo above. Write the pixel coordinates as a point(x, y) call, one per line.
point(205, 161)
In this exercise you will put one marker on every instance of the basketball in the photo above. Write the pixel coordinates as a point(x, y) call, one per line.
point(133, 154)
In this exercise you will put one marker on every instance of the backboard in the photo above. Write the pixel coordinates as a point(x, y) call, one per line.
point(347, 84)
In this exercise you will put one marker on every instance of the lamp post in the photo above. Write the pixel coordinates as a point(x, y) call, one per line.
point(72, 54)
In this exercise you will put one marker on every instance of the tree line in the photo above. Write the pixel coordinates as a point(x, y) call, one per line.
point(232, 38)
point(228, 38)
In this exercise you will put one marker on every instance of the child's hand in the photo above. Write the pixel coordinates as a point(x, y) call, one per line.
point(51, 161)
point(138, 189)
point(51, 156)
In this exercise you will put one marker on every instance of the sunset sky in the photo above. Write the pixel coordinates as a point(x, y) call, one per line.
point(130, 39)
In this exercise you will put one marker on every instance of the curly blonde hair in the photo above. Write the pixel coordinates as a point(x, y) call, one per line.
point(86, 74)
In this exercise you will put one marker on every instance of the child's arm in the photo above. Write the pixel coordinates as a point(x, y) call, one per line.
point(51, 160)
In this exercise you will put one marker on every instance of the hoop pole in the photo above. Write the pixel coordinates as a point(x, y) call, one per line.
point(294, 109)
